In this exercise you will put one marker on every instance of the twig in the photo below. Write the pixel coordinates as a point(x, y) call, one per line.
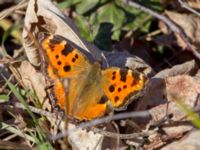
point(122, 136)
point(102, 120)
point(184, 5)
point(37, 110)
point(175, 28)
point(118, 133)
point(10, 10)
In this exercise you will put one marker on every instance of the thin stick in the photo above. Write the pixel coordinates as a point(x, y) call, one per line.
point(175, 28)
point(12, 9)
point(184, 5)
point(103, 120)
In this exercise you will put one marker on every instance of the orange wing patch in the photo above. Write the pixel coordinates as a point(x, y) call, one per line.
point(120, 84)
point(65, 60)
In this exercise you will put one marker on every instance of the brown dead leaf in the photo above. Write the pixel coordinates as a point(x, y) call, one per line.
point(183, 87)
point(186, 89)
point(155, 93)
point(190, 24)
point(157, 98)
point(35, 81)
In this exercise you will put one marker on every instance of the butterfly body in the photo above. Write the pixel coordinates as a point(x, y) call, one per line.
point(90, 87)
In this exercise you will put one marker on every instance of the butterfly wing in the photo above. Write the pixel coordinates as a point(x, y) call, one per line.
point(84, 91)
point(121, 84)
point(65, 60)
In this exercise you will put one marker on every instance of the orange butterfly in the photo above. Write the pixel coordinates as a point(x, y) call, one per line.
point(91, 90)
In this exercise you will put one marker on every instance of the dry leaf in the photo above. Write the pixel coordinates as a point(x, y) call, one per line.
point(35, 81)
point(190, 24)
point(84, 140)
point(155, 93)
point(195, 4)
point(186, 90)
point(161, 105)
point(183, 88)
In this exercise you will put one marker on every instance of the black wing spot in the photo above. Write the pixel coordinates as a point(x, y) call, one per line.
point(57, 56)
point(73, 59)
point(119, 89)
point(65, 52)
point(123, 74)
point(134, 82)
point(111, 88)
point(67, 49)
point(53, 42)
point(59, 63)
point(114, 73)
point(113, 78)
point(124, 86)
point(76, 56)
point(66, 68)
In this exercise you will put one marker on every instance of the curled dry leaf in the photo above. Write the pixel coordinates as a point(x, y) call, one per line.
point(35, 81)
point(189, 23)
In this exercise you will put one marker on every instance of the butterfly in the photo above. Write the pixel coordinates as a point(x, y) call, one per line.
point(88, 89)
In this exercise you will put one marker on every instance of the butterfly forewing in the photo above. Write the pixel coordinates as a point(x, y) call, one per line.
point(65, 60)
